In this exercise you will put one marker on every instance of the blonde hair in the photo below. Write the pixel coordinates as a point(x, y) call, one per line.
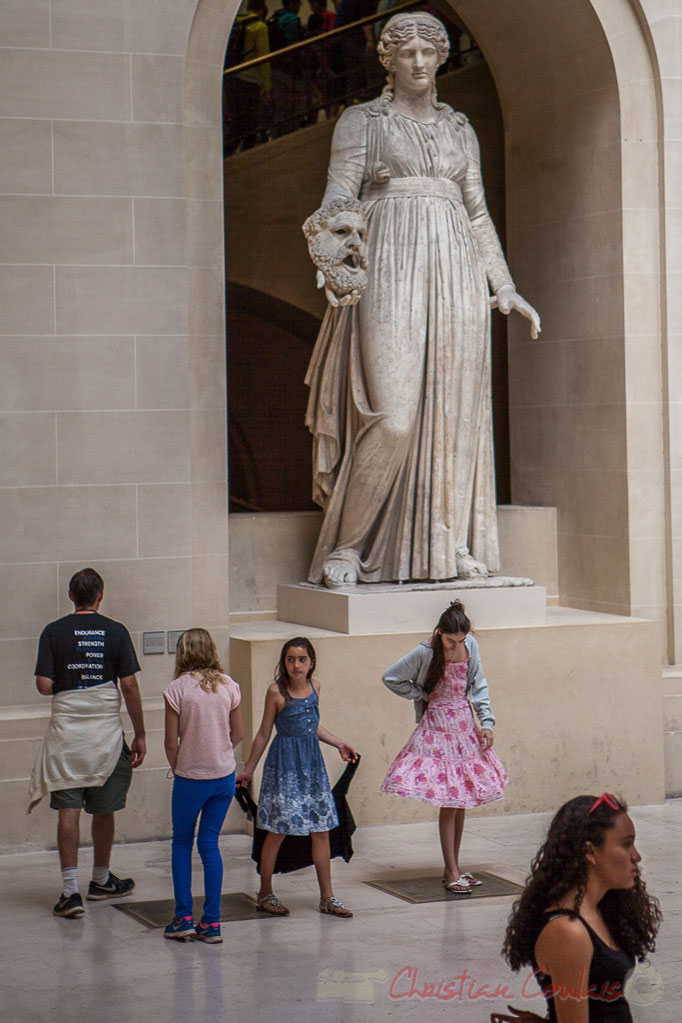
point(400, 29)
point(197, 655)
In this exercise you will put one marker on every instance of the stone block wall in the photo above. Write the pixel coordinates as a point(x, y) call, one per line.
point(112, 355)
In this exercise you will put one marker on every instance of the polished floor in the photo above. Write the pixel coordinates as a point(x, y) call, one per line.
point(384, 964)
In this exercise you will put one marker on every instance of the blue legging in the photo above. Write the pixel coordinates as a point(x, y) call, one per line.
point(211, 798)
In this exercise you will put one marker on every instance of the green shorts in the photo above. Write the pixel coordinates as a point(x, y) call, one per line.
point(103, 799)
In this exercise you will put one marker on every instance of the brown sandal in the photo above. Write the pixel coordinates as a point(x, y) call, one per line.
point(335, 907)
point(271, 904)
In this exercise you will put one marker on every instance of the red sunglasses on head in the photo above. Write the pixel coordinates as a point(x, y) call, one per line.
point(609, 799)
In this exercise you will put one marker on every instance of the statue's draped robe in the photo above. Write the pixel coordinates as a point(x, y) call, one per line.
point(429, 489)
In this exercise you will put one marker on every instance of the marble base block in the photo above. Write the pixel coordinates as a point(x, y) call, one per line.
point(382, 608)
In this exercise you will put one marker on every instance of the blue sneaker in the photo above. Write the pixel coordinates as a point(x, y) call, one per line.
point(180, 927)
point(210, 933)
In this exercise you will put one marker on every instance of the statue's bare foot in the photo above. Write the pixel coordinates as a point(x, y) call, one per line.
point(340, 569)
point(468, 567)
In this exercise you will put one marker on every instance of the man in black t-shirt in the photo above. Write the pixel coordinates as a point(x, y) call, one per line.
point(85, 762)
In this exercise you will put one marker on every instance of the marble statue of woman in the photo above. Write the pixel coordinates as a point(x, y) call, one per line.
point(400, 406)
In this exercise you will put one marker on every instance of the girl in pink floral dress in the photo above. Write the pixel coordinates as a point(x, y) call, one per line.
point(448, 761)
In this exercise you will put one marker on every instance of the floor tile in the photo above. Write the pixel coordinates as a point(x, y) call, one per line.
point(383, 965)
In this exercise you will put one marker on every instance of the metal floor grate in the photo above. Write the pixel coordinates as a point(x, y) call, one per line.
point(159, 912)
point(430, 889)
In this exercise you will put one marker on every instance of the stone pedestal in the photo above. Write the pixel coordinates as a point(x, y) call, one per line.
point(384, 608)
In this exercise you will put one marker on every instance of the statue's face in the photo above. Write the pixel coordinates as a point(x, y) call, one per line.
point(414, 66)
point(339, 249)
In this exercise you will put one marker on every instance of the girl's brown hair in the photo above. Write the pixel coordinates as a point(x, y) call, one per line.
point(453, 620)
point(281, 675)
point(196, 653)
point(631, 914)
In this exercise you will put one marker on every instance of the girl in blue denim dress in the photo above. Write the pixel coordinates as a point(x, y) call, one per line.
point(295, 795)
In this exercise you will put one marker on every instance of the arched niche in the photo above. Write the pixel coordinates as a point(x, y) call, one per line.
point(580, 99)
point(579, 90)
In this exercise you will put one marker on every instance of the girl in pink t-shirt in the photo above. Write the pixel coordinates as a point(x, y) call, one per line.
point(203, 725)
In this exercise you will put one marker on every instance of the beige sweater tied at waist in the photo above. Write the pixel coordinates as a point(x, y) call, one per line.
point(83, 741)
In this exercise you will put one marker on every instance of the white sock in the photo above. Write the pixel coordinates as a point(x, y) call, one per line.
point(70, 880)
point(100, 875)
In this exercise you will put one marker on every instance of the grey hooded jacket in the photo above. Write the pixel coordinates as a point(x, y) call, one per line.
point(407, 676)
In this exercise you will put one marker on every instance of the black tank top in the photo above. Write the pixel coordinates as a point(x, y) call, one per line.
point(609, 970)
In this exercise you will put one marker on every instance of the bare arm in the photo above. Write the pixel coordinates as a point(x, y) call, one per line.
point(274, 702)
point(346, 752)
point(44, 685)
point(564, 952)
point(133, 700)
point(171, 735)
point(236, 726)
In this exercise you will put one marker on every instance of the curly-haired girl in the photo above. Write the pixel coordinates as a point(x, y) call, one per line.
point(585, 914)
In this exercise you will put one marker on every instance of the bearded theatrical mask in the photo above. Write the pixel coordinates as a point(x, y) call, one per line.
point(337, 246)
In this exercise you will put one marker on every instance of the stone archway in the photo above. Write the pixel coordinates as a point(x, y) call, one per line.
point(578, 84)
point(579, 95)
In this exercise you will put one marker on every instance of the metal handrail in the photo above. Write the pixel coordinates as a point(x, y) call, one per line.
point(369, 20)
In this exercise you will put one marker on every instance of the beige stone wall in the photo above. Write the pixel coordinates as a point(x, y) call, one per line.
point(578, 91)
point(663, 19)
point(112, 367)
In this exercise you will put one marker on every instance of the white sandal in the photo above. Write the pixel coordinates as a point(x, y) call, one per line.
point(459, 887)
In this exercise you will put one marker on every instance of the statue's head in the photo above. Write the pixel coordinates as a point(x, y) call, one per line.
point(336, 236)
point(402, 27)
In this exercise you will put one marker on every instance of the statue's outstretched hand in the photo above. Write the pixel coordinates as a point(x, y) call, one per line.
point(351, 298)
point(507, 299)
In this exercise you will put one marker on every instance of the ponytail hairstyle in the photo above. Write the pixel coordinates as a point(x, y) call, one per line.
point(453, 620)
point(281, 675)
point(196, 654)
